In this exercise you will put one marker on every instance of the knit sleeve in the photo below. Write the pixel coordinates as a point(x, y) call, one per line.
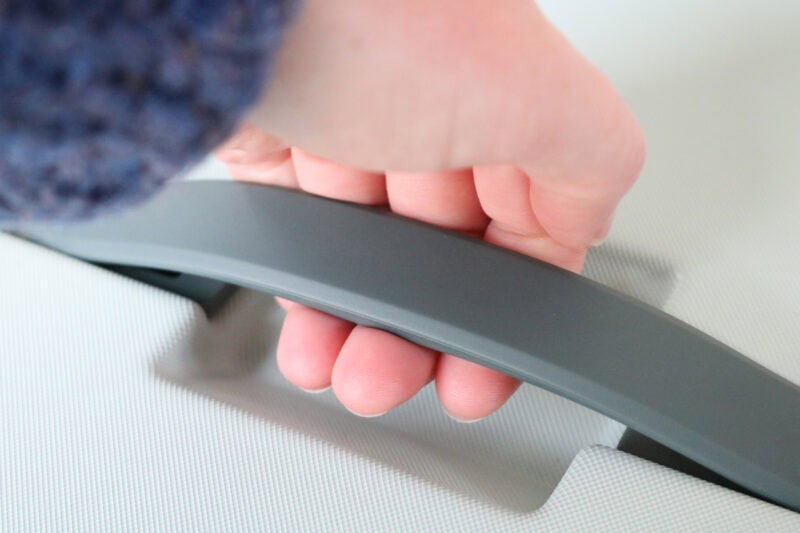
point(102, 101)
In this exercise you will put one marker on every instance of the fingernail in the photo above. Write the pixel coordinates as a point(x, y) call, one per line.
point(315, 391)
point(360, 415)
point(462, 420)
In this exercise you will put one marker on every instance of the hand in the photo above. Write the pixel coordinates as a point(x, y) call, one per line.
point(467, 114)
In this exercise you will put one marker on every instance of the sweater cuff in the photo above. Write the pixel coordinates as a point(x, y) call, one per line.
point(103, 101)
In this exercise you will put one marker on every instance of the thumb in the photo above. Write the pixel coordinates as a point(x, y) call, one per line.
point(583, 148)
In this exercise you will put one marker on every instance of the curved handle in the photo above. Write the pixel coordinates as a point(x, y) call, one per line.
point(459, 295)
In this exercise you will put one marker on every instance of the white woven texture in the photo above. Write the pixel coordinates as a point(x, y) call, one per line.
point(114, 415)
point(605, 490)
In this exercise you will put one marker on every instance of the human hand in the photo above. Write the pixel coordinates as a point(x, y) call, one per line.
point(460, 113)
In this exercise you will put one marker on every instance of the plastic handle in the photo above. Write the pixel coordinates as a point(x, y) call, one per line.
point(452, 293)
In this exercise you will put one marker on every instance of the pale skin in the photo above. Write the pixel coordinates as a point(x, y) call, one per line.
point(474, 115)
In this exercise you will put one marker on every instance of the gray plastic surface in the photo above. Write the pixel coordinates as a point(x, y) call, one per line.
point(456, 294)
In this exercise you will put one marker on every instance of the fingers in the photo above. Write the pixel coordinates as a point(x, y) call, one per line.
point(249, 144)
point(322, 177)
point(309, 345)
point(584, 147)
point(453, 84)
point(577, 213)
point(505, 193)
point(447, 199)
point(377, 371)
point(469, 392)
point(371, 371)
point(252, 155)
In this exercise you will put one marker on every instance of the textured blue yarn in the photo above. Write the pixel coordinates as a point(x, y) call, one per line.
point(102, 101)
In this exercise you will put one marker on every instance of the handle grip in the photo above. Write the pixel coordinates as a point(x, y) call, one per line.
point(452, 293)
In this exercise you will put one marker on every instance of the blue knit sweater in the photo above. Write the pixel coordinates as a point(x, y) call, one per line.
point(101, 101)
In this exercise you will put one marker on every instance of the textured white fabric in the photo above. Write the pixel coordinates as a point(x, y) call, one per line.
point(605, 490)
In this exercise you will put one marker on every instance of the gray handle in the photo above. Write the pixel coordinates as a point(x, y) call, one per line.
point(456, 294)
